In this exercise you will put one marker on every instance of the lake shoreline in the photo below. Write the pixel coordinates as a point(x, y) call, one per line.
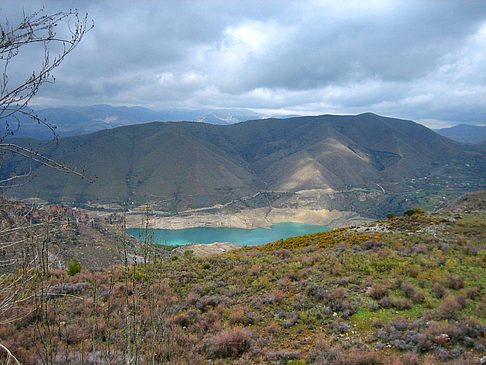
point(249, 219)
point(240, 236)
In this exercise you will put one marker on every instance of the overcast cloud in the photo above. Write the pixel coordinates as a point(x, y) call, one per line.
point(420, 60)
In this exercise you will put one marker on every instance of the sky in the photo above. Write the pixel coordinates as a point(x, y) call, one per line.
point(419, 60)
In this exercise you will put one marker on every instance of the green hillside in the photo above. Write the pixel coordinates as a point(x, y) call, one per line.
point(189, 165)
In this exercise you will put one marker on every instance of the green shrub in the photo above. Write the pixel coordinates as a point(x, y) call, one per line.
point(73, 267)
point(414, 211)
point(188, 253)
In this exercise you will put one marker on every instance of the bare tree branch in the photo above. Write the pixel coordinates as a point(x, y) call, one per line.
point(10, 355)
point(39, 158)
point(34, 29)
point(25, 242)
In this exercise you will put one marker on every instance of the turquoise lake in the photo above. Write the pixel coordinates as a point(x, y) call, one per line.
point(245, 237)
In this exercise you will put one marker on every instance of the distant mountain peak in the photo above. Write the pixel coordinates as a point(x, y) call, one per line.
point(78, 120)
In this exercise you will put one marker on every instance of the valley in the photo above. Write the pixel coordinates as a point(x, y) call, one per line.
point(373, 289)
point(207, 182)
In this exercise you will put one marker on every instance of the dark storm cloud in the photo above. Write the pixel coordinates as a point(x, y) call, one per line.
point(402, 45)
point(414, 59)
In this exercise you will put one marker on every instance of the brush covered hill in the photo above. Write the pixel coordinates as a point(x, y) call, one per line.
point(189, 165)
point(406, 290)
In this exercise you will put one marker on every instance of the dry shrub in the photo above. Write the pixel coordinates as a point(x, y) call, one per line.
point(377, 323)
point(71, 334)
point(341, 327)
point(402, 304)
point(283, 253)
point(66, 289)
point(172, 349)
point(424, 342)
point(212, 316)
point(448, 307)
point(292, 275)
point(418, 297)
point(284, 283)
point(385, 302)
point(282, 356)
point(438, 290)
point(93, 357)
point(363, 358)
point(339, 293)
point(473, 328)
point(229, 343)
point(237, 317)
point(377, 291)
point(373, 306)
point(368, 245)
point(254, 270)
point(453, 331)
point(455, 282)
point(208, 301)
point(461, 300)
point(408, 289)
point(294, 318)
point(273, 328)
point(192, 298)
point(410, 358)
point(333, 265)
point(274, 296)
point(278, 294)
point(308, 259)
point(329, 355)
point(306, 272)
point(181, 319)
point(472, 293)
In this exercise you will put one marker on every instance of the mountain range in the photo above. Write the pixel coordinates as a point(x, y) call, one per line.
point(464, 133)
point(183, 165)
point(71, 121)
point(77, 120)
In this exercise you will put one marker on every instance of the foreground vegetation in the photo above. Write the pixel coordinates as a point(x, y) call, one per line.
point(405, 290)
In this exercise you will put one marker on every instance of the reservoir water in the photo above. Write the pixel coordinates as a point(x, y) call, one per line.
point(245, 237)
